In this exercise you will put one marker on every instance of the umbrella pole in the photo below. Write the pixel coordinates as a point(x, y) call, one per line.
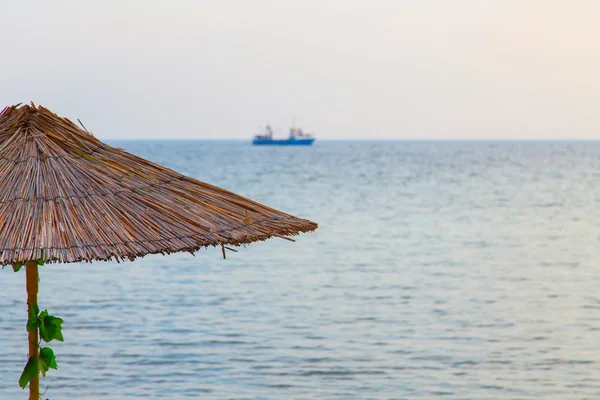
point(31, 271)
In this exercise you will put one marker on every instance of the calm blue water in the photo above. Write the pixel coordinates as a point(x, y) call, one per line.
point(440, 270)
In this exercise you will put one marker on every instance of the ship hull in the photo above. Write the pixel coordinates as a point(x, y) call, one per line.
point(283, 142)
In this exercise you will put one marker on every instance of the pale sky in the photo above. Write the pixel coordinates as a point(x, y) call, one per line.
point(343, 69)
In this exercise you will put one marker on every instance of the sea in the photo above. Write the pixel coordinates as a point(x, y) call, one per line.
point(440, 270)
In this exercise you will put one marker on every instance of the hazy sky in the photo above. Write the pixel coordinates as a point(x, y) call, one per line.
point(344, 69)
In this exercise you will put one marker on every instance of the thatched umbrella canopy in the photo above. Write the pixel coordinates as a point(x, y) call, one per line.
point(67, 197)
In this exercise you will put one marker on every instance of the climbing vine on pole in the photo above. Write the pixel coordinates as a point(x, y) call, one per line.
point(48, 328)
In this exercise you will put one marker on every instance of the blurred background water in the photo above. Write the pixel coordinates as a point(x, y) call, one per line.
point(458, 270)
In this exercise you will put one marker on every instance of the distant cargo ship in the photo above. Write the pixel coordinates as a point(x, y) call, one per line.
point(296, 138)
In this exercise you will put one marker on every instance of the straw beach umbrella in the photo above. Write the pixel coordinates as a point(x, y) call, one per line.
point(67, 197)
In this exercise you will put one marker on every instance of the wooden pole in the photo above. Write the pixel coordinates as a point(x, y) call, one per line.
point(31, 270)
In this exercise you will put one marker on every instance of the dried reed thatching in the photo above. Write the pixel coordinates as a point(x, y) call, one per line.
point(67, 197)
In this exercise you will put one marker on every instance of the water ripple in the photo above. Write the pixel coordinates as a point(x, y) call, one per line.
point(440, 270)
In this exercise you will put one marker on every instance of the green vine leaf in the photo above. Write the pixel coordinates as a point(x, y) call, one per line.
point(29, 372)
point(32, 321)
point(46, 360)
point(17, 266)
point(40, 261)
point(50, 327)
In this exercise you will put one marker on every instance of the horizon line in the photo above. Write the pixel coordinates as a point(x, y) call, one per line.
point(362, 140)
